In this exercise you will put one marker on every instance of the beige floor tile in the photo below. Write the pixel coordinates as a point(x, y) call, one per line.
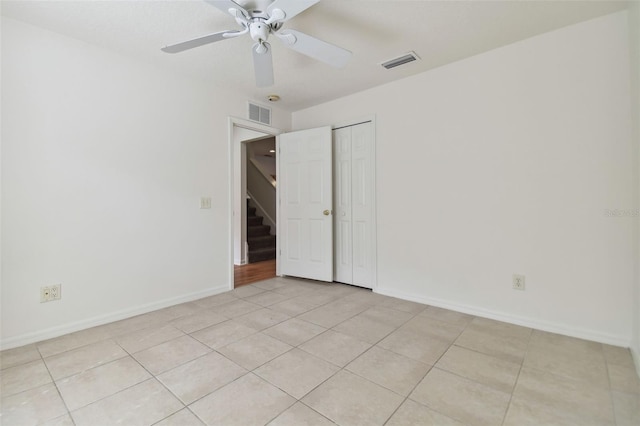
point(301, 415)
point(446, 315)
point(351, 400)
point(262, 318)
point(365, 329)
point(222, 334)
point(100, 382)
point(200, 377)
point(337, 348)
point(491, 371)
point(255, 350)
point(84, 358)
point(318, 298)
point(267, 298)
point(461, 399)
point(24, 377)
point(506, 348)
point(59, 421)
point(183, 417)
point(420, 348)
point(17, 356)
point(395, 372)
point(147, 338)
point(171, 354)
point(236, 308)
point(527, 412)
point(32, 407)
point(368, 297)
point(296, 372)
point(270, 284)
point(618, 356)
point(588, 367)
point(404, 305)
point(293, 307)
point(627, 408)
point(624, 379)
point(215, 300)
point(203, 319)
point(387, 316)
point(180, 310)
point(333, 313)
point(246, 401)
point(143, 404)
point(500, 329)
point(129, 325)
point(294, 331)
point(61, 344)
point(428, 327)
point(412, 413)
point(564, 395)
point(247, 290)
point(293, 289)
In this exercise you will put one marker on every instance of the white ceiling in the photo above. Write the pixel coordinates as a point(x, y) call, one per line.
point(440, 32)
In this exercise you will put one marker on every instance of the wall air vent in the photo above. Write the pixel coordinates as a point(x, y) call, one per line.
point(259, 113)
point(404, 59)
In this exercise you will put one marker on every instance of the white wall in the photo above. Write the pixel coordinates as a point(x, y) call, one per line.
point(505, 163)
point(104, 160)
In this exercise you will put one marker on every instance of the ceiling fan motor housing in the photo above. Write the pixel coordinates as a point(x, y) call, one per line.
point(259, 31)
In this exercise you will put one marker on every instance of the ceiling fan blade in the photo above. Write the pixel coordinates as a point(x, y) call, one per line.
point(291, 7)
point(315, 48)
point(263, 64)
point(225, 5)
point(200, 41)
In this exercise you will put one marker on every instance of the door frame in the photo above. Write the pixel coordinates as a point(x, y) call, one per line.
point(235, 169)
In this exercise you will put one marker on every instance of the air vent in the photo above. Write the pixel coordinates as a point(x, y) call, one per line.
point(404, 59)
point(259, 113)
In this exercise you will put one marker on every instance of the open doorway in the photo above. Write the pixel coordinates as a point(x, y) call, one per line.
point(253, 201)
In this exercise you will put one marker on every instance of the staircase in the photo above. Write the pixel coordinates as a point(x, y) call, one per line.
point(262, 245)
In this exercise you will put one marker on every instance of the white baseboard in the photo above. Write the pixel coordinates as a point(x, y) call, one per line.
point(513, 319)
point(49, 333)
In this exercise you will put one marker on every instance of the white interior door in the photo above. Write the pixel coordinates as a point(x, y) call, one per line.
point(306, 193)
point(343, 266)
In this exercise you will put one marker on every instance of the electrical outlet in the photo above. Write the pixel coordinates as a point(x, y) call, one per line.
point(55, 292)
point(518, 282)
point(49, 293)
point(205, 202)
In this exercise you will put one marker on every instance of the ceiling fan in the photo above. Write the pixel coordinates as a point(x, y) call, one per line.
point(261, 18)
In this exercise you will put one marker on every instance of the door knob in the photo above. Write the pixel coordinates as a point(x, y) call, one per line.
point(326, 212)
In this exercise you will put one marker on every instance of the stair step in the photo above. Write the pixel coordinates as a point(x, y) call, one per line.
point(258, 230)
point(262, 254)
point(254, 220)
point(264, 241)
point(251, 211)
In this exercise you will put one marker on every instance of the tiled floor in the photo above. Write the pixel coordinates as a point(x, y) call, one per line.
point(294, 352)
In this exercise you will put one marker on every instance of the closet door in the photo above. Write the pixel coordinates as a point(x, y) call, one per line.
point(354, 225)
point(343, 267)
point(362, 206)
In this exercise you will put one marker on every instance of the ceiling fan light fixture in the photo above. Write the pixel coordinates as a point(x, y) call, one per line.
point(400, 60)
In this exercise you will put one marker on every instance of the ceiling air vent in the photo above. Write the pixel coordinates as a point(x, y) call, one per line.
point(259, 113)
point(404, 59)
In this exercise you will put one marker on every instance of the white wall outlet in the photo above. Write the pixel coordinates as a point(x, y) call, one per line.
point(55, 291)
point(518, 282)
point(205, 202)
point(51, 292)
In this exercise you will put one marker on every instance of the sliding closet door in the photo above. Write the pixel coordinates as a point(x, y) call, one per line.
point(354, 205)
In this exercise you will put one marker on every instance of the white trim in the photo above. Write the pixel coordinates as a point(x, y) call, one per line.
point(233, 122)
point(534, 323)
point(49, 333)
